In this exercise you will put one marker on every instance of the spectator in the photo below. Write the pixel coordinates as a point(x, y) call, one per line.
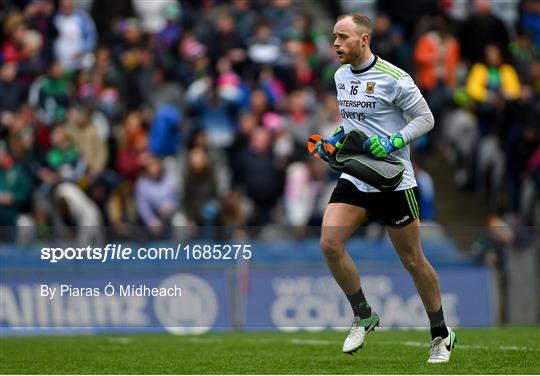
point(168, 36)
point(460, 134)
point(153, 13)
point(259, 104)
point(50, 94)
point(313, 43)
point(490, 171)
point(224, 42)
point(156, 196)
point(15, 190)
point(523, 52)
point(304, 74)
point(263, 48)
point(165, 132)
point(244, 17)
point(39, 16)
point(273, 87)
point(163, 91)
point(234, 211)
point(307, 189)
point(122, 211)
point(76, 35)
point(14, 29)
point(299, 194)
point(480, 29)
point(132, 141)
point(529, 22)
point(104, 70)
point(283, 143)
point(388, 40)
point(300, 122)
point(229, 84)
point(200, 188)
point(84, 136)
point(491, 84)
point(31, 64)
point(407, 13)
point(85, 88)
point(327, 115)
point(74, 209)
point(63, 157)
point(247, 124)
point(193, 61)
point(257, 175)
point(21, 139)
point(491, 250)
point(437, 55)
point(213, 112)
point(216, 159)
point(530, 191)
point(280, 15)
point(520, 142)
point(11, 91)
point(127, 53)
point(108, 101)
point(106, 14)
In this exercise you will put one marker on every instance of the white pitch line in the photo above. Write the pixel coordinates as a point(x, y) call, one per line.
point(518, 348)
point(324, 342)
point(265, 340)
point(300, 341)
point(204, 340)
point(460, 346)
point(120, 340)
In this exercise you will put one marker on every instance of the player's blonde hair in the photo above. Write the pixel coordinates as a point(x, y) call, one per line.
point(362, 21)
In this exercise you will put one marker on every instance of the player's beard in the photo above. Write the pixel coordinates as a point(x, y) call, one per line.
point(352, 57)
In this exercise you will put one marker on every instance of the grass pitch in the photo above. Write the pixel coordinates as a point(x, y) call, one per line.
point(478, 351)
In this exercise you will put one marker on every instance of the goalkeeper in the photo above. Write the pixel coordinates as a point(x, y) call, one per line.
point(383, 102)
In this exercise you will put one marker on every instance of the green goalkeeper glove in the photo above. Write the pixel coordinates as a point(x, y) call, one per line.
point(379, 146)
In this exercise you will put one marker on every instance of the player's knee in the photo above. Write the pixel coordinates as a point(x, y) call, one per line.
point(331, 248)
point(412, 264)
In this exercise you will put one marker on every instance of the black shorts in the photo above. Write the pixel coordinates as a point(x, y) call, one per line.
point(395, 209)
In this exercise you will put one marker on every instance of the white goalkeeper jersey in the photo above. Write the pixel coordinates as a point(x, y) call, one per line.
point(374, 100)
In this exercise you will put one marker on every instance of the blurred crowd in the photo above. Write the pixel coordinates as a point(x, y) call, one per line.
point(131, 114)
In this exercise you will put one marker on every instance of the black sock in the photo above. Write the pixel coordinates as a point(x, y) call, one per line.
point(359, 304)
point(437, 324)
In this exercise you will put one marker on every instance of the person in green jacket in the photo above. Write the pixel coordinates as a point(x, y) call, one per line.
point(15, 190)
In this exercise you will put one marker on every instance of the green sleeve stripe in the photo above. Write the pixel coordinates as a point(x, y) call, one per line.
point(394, 70)
point(391, 67)
point(380, 69)
point(388, 66)
point(387, 71)
point(385, 68)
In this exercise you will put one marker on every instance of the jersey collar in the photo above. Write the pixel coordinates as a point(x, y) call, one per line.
point(355, 71)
